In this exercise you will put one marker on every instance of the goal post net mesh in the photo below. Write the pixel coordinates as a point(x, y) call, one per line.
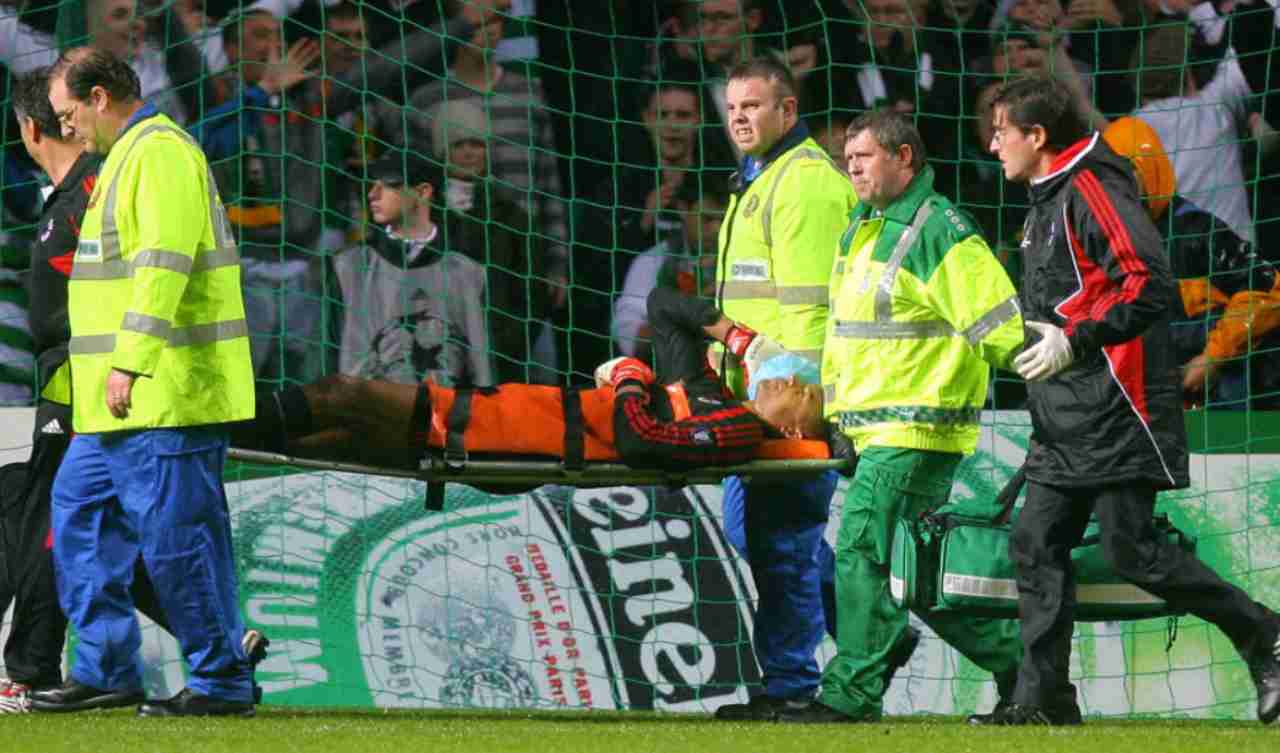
point(485, 192)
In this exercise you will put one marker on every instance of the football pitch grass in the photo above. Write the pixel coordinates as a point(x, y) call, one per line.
point(343, 731)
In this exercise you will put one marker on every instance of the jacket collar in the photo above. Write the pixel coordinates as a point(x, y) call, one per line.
point(396, 249)
point(85, 166)
point(148, 110)
point(903, 209)
point(755, 166)
point(1063, 164)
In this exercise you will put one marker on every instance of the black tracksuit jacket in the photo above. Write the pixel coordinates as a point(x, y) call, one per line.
point(51, 256)
point(1095, 266)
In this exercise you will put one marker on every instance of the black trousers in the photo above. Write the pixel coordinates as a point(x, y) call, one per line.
point(33, 653)
point(1052, 522)
point(679, 344)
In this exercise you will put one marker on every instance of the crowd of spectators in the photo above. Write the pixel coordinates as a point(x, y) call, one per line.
point(552, 162)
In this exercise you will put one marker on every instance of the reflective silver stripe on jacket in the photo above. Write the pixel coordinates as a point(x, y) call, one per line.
point(175, 261)
point(145, 324)
point(893, 330)
point(203, 334)
point(800, 295)
point(990, 321)
point(884, 292)
point(785, 295)
point(89, 345)
point(111, 269)
point(740, 290)
point(118, 269)
point(178, 337)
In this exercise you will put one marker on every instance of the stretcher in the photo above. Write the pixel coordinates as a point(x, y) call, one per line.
point(776, 459)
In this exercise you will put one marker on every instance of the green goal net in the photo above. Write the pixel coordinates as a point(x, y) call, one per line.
point(483, 192)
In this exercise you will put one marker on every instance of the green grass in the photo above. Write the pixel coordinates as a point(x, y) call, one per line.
point(339, 731)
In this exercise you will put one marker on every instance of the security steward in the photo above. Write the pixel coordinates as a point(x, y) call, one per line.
point(775, 249)
point(159, 357)
point(33, 652)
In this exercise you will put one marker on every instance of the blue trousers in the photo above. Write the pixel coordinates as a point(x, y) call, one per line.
point(156, 493)
point(778, 528)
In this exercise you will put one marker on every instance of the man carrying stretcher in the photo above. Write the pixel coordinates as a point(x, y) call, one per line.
point(682, 417)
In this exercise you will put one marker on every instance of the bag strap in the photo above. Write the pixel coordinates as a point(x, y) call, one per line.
point(574, 429)
point(1008, 496)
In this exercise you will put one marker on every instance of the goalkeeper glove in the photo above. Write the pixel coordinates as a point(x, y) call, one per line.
point(618, 370)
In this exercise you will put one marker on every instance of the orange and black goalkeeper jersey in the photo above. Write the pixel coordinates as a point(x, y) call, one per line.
point(684, 431)
point(692, 421)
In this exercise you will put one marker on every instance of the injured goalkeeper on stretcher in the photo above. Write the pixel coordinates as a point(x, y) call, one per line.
point(682, 416)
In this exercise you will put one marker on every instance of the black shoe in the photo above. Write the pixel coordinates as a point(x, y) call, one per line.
point(1020, 715)
point(74, 696)
point(997, 713)
point(255, 646)
point(1264, 667)
point(1006, 683)
point(191, 703)
point(761, 708)
point(820, 713)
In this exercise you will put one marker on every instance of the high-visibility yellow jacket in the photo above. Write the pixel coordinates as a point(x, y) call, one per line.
point(776, 246)
point(920, 307)
point(155, 290)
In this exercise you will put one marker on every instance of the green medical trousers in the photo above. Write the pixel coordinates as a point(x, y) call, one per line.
point(893, 483)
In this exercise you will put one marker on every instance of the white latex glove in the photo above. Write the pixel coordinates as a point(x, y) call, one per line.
point(1047, 357)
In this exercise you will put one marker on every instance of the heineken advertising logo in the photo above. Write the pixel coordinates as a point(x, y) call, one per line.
point(666, 591)
point(564, 598)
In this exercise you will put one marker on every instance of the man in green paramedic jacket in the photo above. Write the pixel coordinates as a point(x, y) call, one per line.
point(920, 312)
